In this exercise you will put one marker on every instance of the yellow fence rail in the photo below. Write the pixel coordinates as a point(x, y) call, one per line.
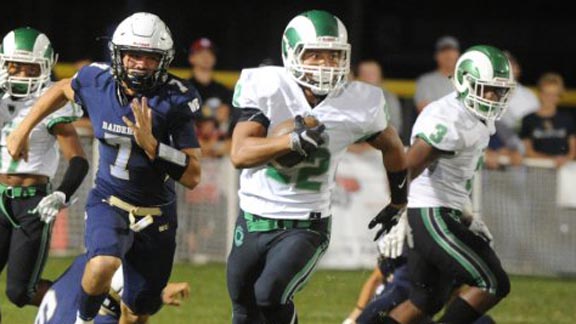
point(402, 88)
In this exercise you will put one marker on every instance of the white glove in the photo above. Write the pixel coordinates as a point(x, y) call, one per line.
point(392, 243)
point(349, 321)
point(478, 227)
point(50, 205)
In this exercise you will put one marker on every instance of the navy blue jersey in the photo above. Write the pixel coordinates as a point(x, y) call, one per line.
point(124, 169)
point(60, 303)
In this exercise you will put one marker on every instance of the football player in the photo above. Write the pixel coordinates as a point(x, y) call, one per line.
point(392, 265)
point(61, 300)
point(448, 143)
point(142, 117)
point(284, 224)
point(28, 203)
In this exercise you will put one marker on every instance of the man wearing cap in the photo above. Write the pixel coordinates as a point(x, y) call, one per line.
point(436, 84)
point(216, 97)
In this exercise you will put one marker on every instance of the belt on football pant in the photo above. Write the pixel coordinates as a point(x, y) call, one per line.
point(17, 192)
point(256, 223)
point(147, 213)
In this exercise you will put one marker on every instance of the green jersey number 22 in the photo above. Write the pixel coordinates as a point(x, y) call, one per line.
point(315, 165)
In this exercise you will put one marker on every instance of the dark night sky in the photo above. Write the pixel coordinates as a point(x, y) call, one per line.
point(398, 33)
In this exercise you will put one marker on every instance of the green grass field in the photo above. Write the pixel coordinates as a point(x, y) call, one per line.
point(327, 299)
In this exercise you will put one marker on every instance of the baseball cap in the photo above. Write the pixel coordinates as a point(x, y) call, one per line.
point(445, 42)
point(202, 44)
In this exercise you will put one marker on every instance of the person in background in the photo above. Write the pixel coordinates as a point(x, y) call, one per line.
point(522, 101)
point(370, 71)
point(506, 147)
point(549, 133)
point(209, 136)
point(202, 59)
point(436, 84)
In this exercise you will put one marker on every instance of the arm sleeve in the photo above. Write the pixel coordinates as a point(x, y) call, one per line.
point(254, 114)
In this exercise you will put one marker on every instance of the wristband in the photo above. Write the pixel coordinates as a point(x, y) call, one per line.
point(398, 182)
point(170, 154)
point(171, 161)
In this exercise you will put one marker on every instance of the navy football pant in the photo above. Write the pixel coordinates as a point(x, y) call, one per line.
point(147, 256)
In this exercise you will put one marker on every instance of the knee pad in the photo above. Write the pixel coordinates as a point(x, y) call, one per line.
point(18, 294)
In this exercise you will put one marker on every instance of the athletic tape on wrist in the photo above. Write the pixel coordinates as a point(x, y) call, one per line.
point(170, 154)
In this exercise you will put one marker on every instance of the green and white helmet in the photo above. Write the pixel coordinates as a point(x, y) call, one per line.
point(316, 29)
point(26, 45)
point(479, 69)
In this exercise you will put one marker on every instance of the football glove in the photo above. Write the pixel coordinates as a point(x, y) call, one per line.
point(392, 243)
point(478, 227)
point(387, 217)
point(50, 205)
point(306, 140)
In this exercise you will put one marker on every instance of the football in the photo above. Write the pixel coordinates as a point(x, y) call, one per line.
point(292, 158)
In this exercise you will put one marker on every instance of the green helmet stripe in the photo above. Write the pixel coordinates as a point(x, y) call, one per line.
point(324, 23)
point(497, 58)
point(25, 39)
point(292, 38)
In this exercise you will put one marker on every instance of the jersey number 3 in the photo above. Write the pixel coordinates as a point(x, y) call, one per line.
point(438, 135)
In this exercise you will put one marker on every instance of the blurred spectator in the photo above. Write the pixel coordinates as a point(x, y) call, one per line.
point(549, 133)
point(209, 136)
point(436, 84)
point(522, 102)
point(202, 59)
point(370, 72)
point(505, 145)
point(83, 125)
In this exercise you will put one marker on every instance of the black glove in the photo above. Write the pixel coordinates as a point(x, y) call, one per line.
point(306, 140)
point(387, 217)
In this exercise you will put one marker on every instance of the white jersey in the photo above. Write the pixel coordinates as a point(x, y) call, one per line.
point(350, 115)
point(43, 153)
point(449, 127)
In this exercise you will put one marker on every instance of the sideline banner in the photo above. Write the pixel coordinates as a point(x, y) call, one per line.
point(361, 192)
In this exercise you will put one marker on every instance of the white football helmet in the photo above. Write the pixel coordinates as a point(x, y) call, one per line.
point(316, 29)
point(480, 68)
point(26, 45)
point(142, 32)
